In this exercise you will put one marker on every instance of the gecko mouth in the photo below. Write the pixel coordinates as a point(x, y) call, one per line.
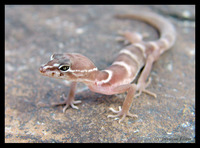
point(46, 72)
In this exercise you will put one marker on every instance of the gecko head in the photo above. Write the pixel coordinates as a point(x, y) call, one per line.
point(68, 66)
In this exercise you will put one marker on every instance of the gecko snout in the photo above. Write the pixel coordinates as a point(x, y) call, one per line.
point(41, 69)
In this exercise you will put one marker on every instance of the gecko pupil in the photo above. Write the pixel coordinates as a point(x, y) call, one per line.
point(64, 68)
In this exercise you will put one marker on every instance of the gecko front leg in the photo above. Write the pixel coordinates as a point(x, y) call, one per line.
point(124, 111)
point(69, 100)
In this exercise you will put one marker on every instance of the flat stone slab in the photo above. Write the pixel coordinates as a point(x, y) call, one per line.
point(34, 33)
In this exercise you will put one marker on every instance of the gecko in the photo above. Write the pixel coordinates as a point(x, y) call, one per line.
point(138, 55)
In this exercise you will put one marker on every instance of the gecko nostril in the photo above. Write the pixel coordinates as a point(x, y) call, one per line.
point(52, 73)
point(41, 69)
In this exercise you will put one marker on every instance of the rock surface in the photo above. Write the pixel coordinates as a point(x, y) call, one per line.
point(33, 33)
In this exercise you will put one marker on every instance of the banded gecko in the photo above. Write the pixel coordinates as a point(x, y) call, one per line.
point(118, 77)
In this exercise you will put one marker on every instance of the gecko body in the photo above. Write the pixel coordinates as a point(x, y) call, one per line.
point(118, 77)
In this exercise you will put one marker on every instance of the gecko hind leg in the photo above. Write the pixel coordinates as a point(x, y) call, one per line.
point(130, 37)
point(142, 85)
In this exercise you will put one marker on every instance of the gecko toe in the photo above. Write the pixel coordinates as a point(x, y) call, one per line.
point(121, 113)
point(115, 111)
point(73, 106)
point(123, 117)
point(77, 101)
point(147, 92)
point(141, 87)
point(132, 115)
point(58, 103)
point(65, 108)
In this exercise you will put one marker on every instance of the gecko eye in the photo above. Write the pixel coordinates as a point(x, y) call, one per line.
point(64, 67)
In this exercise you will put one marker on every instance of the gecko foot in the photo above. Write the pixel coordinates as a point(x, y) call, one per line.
point(121, 113)
point(67, 102)
point(130, 37)
point(141, 87)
